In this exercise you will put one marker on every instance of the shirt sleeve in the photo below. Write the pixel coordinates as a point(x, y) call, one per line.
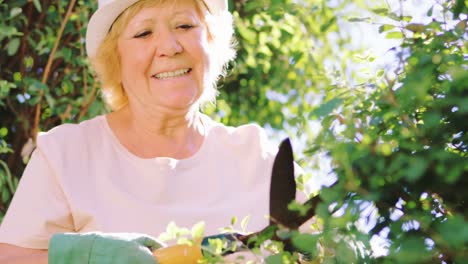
point(38, 209)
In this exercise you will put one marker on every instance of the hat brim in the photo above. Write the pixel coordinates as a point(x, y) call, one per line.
point(101, 21)
point(104, 17)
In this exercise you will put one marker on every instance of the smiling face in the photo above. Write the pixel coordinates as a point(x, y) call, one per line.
point(164, 59)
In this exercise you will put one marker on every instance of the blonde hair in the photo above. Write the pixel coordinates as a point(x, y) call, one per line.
point(107, 62)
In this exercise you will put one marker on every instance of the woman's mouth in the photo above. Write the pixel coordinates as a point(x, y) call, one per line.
point(172, 74)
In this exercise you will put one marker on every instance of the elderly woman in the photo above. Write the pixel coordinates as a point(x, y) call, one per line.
point(155, 158)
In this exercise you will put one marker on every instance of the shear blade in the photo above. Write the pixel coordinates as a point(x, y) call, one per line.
point(283, 187)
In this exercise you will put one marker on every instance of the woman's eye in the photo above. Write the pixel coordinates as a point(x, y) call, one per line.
point(143, 34)
point(185, 26)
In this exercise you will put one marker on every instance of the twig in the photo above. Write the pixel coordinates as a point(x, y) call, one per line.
point(10, 106)
point(88, 102)
point(46, 74)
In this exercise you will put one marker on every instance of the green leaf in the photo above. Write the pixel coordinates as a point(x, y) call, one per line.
point(9, 32)
point(306, 244)
point(244, 222)
point(453, 174)
point(5, 88)
point(280, 258)
point(394, 16)
point(460, 7)
point(37, 4)
point(17, 77)
point(415, 27)
point(412, 250)
point(66, 53)
point(454, 232)
point(35, 85)
point(28, 61)
point(380, 11)
point(13, 46)
point(394, 35)
point(358, 19)
point(5, 196)
point(407, 18)
point(312, 150)
point(198, 230)
point(329, 195)
point(284, 233)
point(275, 259)
point(265, 235)
point(173, 232)
point(380, 73)
point(15, 11)
point(429, 12)
point(298, 207)
point(248, 34)
point(50, 101)
point(327, 25)
point(344, 253)
point(326, 108)
point(3, 132)
point(386, 27)
point(417, 167)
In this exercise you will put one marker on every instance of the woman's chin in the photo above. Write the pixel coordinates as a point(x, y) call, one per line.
point(178, 100)
point(178, 104)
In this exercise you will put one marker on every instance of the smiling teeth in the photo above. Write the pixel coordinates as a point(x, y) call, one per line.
point(176, 73)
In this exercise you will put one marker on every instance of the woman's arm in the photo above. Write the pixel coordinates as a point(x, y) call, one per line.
point(19, 255)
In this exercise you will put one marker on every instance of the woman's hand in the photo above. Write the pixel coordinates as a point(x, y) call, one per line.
point(102, 248)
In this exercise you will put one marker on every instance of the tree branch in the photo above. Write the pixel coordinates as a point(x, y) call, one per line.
point(46, 74)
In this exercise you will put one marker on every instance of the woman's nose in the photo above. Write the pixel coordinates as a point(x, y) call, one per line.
point(167, 44)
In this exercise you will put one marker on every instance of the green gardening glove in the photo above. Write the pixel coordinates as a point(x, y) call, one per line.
point(102, 248)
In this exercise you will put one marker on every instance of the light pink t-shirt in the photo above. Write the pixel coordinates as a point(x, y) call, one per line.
point(80, 179)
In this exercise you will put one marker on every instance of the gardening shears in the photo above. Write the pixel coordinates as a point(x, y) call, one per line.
point(282, 193)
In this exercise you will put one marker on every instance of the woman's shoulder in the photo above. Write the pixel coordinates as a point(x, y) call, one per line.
point(72, 134)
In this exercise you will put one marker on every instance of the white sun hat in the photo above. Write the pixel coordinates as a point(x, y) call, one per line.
point(108, 11)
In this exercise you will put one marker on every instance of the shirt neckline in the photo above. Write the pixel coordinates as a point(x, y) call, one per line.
point(161, 161)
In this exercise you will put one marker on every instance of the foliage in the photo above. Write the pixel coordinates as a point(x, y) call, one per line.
point(282, 47)
point(45, 78)
point(399, 146)
point(396, 139)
